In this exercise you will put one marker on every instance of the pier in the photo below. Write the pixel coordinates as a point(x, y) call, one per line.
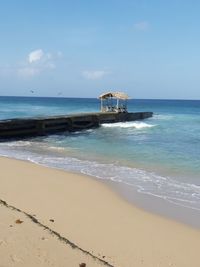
point(38, 126)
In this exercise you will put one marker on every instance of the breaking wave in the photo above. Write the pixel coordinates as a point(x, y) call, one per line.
point(136, 125)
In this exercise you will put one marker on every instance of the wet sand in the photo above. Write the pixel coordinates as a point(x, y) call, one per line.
point(157, 205)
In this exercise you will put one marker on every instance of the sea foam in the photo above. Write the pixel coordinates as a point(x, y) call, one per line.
point(136, 125)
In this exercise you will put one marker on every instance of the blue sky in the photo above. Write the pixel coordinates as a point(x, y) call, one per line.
point(81, 48)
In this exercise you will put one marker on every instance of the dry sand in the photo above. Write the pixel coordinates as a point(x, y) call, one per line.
point(90, 215)
point(24, 243)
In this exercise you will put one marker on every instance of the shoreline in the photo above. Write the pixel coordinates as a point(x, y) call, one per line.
point(96, 218)
point(157, 206)
point(147, 202)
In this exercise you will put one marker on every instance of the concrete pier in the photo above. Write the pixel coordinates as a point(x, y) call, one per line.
point(28, 127)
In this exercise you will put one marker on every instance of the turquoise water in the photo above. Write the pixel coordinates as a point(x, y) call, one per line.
point(159, 156)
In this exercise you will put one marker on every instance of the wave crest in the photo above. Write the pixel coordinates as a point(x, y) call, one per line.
point(136, 125)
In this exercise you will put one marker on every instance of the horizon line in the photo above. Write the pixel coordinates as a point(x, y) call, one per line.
point(63, 97)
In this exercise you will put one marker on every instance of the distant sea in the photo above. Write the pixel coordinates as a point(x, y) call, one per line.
point(158, 157)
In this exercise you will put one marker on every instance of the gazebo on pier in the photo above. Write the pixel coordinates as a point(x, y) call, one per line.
point(114, 102)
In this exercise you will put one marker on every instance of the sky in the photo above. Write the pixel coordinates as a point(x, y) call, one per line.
point(82, 48)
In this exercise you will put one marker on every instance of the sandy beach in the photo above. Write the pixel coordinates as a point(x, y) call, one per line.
point(50, 217)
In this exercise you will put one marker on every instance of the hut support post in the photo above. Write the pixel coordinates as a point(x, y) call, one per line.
point(101, 105)
point(117, 104)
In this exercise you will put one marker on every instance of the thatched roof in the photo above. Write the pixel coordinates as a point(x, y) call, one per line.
point(119, 95)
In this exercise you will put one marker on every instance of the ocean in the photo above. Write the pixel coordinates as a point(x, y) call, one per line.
point(157, 157)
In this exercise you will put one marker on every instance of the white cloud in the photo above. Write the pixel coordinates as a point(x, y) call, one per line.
point(37, 62)
point(94, 74)
point(141, 26)
point(35, 56)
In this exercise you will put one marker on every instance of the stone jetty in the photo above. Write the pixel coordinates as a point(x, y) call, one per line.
point(28, 127)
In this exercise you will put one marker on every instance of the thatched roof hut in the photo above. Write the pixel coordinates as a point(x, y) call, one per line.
point(107, 102)
point(119, 95)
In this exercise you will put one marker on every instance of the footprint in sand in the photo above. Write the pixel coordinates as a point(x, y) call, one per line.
point(15, 259)
point(3, 242)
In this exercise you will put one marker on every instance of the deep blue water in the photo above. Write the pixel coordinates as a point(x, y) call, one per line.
point(159, 156)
